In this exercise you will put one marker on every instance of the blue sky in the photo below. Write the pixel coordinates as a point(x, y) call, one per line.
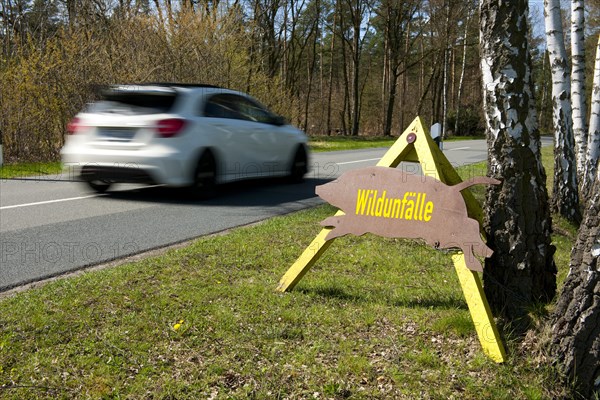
point(536, 7)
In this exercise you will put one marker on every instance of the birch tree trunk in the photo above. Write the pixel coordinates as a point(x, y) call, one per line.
point(445, 77)
point(576, 329)
point(521, 271)
point(593, 145)
point(565, 195)
point(544, 100)
point(462, 69)
point(578, 98)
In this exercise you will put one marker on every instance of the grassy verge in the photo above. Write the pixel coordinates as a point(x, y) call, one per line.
point(463, 138)
point(334, 143)
point(23, 170)
point(375, 318)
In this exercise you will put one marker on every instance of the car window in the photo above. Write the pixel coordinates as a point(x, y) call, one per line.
point(139, 102)
point(253, 111)
point(221, 106)
point(237, 107)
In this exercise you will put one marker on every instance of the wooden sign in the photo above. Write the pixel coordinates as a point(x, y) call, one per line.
point(420, 208)
point(392, 203)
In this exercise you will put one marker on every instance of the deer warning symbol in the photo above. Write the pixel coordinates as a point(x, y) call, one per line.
point(392, 203)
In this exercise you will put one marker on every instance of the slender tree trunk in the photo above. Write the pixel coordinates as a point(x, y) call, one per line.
point(576, 330)
point(311, 66)
point(462, 70)
point(346, 114)
point(7, 30)
point(544, 99)
point(422, 72)
point(286, 52)
point(356, 56)
point(445, 93)
point(426, 91)
point(451, 95)
point(310, 72)
point(321, 74)
point(385, 76)
point(330, 89)
point(580, 128)
point(445, 80)
point(403, 103)
point(397, 18)
point(565, 194)
point(389, 110)
point(593, 145)
point(161, 19)
point(392, 55)
point(346, 109)
point(438, 88)
point(521, 271)
point(170, 16)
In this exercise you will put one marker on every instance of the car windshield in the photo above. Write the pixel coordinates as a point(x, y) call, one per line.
point(135, 102)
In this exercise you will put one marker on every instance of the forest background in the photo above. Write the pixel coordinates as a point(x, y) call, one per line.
point(332, 67)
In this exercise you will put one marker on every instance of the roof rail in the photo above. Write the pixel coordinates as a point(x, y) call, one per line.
point(103, 89)
point(175, 84)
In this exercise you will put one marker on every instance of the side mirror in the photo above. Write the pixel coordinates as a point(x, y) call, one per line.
point(278, 120)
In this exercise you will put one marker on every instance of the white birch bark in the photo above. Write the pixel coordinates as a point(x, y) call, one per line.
point(578, 98)
point(593, 145)
point(462, 68)
point(565, 194)
point(517, 222)
point(445, 87)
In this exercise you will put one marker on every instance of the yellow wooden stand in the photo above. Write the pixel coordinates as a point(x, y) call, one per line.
point(423, 150)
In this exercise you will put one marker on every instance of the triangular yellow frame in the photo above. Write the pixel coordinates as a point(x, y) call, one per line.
point(416, 145)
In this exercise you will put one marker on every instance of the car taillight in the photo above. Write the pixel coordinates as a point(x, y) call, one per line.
point(75, 126)
point(170, 127)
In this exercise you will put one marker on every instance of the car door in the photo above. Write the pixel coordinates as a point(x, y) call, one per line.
point(246, 142)
point(265, 136)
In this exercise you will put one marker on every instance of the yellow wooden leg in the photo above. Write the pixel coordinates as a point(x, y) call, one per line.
point(310, 255)
point(480, 310)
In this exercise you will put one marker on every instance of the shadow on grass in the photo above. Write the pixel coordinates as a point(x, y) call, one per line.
point(339, 293)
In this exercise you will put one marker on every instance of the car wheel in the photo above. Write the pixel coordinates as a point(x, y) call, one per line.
point(205, 177)
point(98, 186)
point(299, 166)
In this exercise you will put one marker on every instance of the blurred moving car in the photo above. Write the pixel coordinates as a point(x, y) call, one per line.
point(181, 135)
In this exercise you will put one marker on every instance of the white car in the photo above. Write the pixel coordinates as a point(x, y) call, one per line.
point(180, 135)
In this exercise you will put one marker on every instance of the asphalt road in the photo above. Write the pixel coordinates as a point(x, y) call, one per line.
point(51, 225)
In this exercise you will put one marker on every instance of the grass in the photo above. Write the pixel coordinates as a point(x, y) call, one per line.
point(22, 170)
point(374, 318)
point(335, 143)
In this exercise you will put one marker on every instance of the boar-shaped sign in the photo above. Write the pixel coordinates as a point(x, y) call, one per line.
point(389, 202)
